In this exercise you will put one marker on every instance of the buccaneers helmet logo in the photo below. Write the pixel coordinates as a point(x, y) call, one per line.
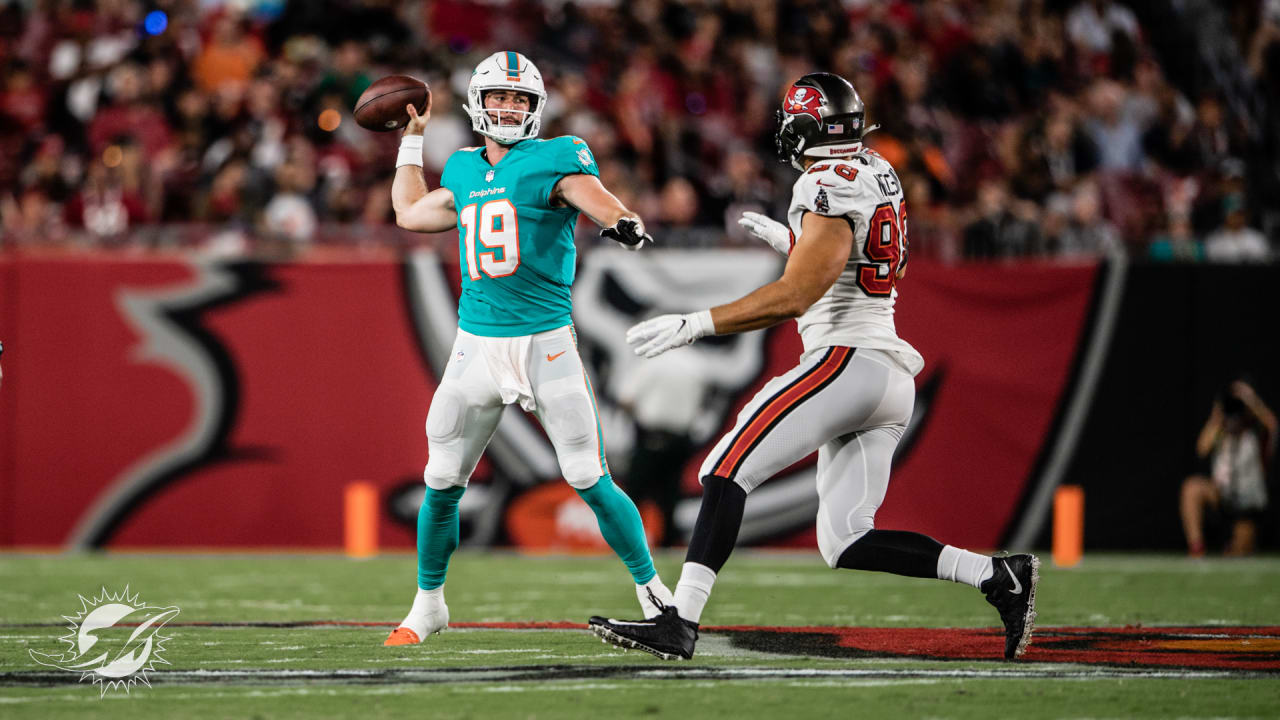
point(804, 101)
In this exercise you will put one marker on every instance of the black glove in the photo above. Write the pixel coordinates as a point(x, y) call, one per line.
point(628, 232)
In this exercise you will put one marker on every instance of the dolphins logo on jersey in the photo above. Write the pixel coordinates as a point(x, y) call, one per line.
point(804, 101)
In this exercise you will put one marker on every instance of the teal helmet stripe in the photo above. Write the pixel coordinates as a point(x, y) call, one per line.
point(513, 64)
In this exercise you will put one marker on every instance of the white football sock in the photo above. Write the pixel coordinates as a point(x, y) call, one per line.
point(963, 566)
point(660, 591)
point(693, 590)
point(423, 617)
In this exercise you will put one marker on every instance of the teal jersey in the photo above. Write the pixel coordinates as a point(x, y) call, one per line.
point(516, 251)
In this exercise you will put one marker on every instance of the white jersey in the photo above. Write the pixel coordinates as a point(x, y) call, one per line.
point(857, 311)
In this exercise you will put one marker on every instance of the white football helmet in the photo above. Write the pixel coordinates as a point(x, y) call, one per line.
point(507, 70)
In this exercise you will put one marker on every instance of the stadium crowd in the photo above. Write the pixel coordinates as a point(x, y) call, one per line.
point(1019, 127)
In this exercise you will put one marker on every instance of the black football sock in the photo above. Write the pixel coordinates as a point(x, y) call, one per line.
point(719, 518)
point(714, 535)
point(893, 551)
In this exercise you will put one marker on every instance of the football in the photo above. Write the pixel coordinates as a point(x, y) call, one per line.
point(381, 106)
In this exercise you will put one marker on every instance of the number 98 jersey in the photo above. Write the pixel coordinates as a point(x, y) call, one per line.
point(857, 311)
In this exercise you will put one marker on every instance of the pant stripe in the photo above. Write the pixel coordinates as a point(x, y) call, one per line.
point(779, 406)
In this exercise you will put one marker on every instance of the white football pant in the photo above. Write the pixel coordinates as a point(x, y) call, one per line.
point(852, 406)
point(544, 374)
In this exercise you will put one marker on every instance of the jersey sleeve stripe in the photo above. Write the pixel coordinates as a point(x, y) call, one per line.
point(779, 406)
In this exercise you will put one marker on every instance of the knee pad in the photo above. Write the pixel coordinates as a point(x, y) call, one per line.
point(571, 424)
point(582, 469)
point(445, 423)
point(569, 419)
point(446, 418)
point(443, 475)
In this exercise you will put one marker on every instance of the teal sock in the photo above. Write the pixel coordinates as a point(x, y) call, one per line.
point(621, 527)
point(437, 535)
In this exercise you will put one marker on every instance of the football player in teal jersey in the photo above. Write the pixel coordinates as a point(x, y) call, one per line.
point(514, 202)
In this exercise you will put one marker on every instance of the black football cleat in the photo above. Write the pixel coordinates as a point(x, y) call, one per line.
point(666, 635)
point(1012, 590)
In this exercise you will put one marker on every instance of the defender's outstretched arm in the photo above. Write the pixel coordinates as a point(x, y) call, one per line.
point(819, 257)
point(416, 208)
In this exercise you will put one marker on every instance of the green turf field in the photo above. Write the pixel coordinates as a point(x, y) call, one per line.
point(255, 664)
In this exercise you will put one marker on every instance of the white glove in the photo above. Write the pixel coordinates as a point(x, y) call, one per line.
point(768, 230)
point(657, 335)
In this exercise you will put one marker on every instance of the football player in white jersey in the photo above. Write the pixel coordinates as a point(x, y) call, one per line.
point(851, 394)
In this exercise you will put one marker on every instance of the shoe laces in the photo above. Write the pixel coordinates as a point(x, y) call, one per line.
point(653, 598)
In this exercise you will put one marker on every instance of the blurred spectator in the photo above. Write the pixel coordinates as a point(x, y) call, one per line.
point(1210, 140)
point(447, 131)
point(289, 215)
point(110, 202)
point(1235, 446)
point(1087, 232)
point(741, 188)
point(230, 55)
point(22, 99)
point(1236, 242)
point(931, 229)
point(1176, 243)
point(998, 232)
point(348, 77)
point(1114, 129)
point(131, 113)
point(1055, 155)
point(1094, 24)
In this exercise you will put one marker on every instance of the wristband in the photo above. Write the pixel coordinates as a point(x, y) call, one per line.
point(410, 151)
point(702, 324)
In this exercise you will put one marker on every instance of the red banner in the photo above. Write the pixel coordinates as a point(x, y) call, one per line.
point(199, 403)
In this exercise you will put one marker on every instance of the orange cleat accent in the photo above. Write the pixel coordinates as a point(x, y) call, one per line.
point(402, 636)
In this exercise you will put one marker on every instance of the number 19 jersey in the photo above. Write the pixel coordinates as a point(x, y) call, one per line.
point(857, 310)
point(516, 251)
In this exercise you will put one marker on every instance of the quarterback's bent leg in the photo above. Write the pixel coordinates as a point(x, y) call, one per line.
point(567, 410)
point(621, 526)
point(623, 530)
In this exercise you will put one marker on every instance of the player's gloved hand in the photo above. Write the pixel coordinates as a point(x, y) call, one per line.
point(768, 230)
point(628, 232)
point(657, 335)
